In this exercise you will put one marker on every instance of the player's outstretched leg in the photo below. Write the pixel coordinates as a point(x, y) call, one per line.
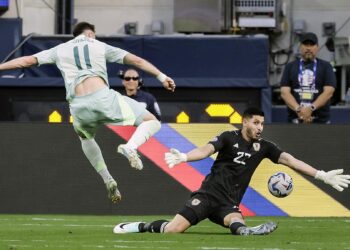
point(143, 132)
point(93, 152)
point(263, 229)
point(127, 227)
point(140, 227)
point(113, 192)
point(131, 155)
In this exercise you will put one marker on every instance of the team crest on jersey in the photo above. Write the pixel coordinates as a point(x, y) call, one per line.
point(256, 146)
point(236, 145)
point(195, 202)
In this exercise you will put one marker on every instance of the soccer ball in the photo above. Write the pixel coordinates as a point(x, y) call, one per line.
point(280, 184)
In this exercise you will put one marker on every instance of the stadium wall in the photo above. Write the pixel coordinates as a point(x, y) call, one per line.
point(43, 171)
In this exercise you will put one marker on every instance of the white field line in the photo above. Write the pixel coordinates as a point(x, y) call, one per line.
point(18, 246)
point(124, 247)
point(239, 248)
point(48, 219)
point(65, 225)
point(144, 241)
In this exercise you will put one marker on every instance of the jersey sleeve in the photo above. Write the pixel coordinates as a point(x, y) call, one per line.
point(114, 54)
point(46, 56)
point(273, 152)
point(219, 141)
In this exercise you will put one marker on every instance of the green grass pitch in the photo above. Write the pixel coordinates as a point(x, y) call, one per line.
point(95, 232)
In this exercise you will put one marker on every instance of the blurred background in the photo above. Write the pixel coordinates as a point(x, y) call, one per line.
point(232, 51)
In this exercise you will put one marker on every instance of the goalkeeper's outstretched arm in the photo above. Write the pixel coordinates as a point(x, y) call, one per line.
point(175, 157)
point(334, 178)
point(200, 153)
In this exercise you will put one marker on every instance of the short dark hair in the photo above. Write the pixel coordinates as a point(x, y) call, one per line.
point(80, 27)
point(249, 112)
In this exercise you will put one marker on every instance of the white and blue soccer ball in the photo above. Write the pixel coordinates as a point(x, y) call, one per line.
point(280, 184)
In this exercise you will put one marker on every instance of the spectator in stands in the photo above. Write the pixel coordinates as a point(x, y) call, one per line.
point(308, 84)
point(133, 82)
point(218, 199)
point(82, 62)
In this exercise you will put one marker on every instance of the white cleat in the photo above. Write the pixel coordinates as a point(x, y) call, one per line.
point(127, 227)
point(262, 229)
point(113, 192)
point(131, 155)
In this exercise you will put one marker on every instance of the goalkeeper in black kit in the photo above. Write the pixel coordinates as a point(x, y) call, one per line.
point(218, 199)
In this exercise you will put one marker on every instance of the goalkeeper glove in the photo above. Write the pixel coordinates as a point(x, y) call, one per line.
point(335, 178)
point(174, 157)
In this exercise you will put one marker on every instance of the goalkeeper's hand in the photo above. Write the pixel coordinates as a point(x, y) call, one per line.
point(335, 178)
point(174, 157)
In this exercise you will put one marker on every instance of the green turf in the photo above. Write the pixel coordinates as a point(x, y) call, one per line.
point(95, 232)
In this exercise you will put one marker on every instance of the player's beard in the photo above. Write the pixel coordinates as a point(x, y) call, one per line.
point(251, 134)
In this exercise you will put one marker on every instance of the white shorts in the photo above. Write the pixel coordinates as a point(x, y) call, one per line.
point(105, 106)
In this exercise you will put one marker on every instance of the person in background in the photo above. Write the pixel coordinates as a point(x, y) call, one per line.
point(239, 154)
point(132, 83)
point(83, 64)
point(308, 84)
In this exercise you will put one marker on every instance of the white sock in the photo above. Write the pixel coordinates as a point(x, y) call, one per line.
point(142, 133)
point(93, 152)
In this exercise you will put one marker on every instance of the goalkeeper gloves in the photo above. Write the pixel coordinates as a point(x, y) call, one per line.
point(174, 157)
point(335, 178)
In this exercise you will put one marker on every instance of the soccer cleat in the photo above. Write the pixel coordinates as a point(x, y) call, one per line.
point(131, 154)
point(127, 227)
point(262, 229)
point(113, 192)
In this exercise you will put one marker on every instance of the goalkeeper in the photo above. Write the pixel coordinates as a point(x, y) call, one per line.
point(219, 197)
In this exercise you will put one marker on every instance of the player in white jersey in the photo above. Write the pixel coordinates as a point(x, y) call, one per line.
point(82, 62)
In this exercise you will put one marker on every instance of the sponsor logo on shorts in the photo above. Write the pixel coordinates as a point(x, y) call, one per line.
point(195, 202)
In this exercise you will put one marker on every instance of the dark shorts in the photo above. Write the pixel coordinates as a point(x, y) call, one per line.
point(202, 206)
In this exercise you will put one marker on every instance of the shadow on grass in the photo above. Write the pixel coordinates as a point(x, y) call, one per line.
point(207, 233)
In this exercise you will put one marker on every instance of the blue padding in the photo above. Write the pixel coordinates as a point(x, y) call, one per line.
point(209, 56)
point(260, 205)
point(172, 139)
point(206, 61)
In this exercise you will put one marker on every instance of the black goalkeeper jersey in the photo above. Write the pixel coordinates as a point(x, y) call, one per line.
point(235, 164)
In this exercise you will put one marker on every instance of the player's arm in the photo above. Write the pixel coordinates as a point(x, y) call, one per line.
point(148, 67)
point(324, 97)
point(298, 165)
point(175, 157)
point(334, 178)
point(289, 98)
point(21, 62)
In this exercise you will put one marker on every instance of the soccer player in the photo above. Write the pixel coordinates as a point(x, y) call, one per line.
point(221, 192)
point(82, 62)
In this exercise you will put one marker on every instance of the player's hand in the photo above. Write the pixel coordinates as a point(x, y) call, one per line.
point(174, 157)
point(305, 114)
point(169, 84)
point(335, 178)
